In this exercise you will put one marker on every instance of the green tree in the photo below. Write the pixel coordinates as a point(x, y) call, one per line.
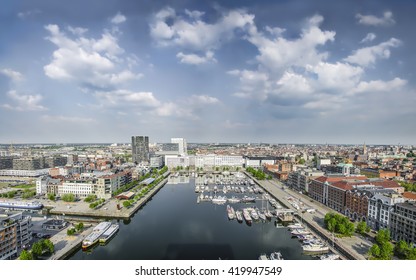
point(68, 197)
point(79, 227)
point(301, 161)
point(362, 228)
point(26, 255)
point(70, 231)
point(126, 203)
point(48, 246)
point(51, 196)
point(401, 249)
point(37, 249)
point(382, 236)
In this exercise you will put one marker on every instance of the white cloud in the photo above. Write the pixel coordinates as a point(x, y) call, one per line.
point(368, 38)
point(14, 75)
point(118, 18)
point(88, 61)
point(380, 86)
point(66, 119)
point(336, 76)
point(78, 31)
point(194, 14)
point(368, 56)
point(24, 102)
point(196, 34)
point(293, 85)
point(196, 59)
point(127, 98)
point(386, 20)
point(26, 14)
point(203, 100)
point(278, 53)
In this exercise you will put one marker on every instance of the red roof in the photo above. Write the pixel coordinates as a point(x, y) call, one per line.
point(409, 195)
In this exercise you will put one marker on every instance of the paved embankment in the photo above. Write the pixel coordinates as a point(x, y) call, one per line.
point(65, 245)
point(355, 247)
point(109, 210)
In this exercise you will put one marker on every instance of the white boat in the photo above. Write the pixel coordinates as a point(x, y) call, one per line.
point(329, 257)
point(254, 214)
point(219, 199)
point(315, 248)
point(247, 216)
point(261, 215)
point(263, 257)
point(197, 189)
point(276, 256)
point(230, 212)
point(239, 216)
point(295, 226)
point(93, 237)
point(300, 232)
point(234, 199)
point(247, 199)
point(109, 233)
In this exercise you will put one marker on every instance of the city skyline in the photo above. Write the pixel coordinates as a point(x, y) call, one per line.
point(268, 72)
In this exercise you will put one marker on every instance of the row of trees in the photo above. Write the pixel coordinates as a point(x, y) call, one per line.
point(256, 173)
point(39, 248)
point(339, 224)
point(10, 194)
point(90, 198)
point(383, 249)
point(97, 203)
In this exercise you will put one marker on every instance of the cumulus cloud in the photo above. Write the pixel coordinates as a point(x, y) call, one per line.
point(13, 75)
point(196, 59)
point(127, 98)
point(296, 73)
point(78, 31)
point(368, 56)
point(380, 86)
point(368, 38)
point(88, 61)
point(278, 53)
point(24, 102)
point(385, 20)
point(169, 29)
point(118, 18)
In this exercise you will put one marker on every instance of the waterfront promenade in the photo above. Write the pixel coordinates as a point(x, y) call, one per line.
point(355, 247)
point(109, 210)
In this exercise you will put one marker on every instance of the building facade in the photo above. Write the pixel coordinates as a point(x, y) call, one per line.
point(403, 222)
point(14, 233)
point(182, 145)
point(140, 148)
point(380, 207)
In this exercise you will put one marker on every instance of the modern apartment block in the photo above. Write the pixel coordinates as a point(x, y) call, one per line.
point(6, 162)
point(30, 163)
point(380, 207)
point(14, 233)
point(140, 148)
point(403, 222)
point(300, 179)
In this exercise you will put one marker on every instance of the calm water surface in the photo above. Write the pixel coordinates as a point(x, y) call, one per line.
point(173, 226)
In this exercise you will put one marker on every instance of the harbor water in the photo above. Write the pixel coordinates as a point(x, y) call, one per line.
point(172, 225)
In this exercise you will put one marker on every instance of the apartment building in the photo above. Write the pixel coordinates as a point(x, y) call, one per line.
point(403, 222)
point(14, 233)
point(380, 207)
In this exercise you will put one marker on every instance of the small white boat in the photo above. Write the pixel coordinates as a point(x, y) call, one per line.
point(109, 233)
point(329, 257)
point(276, 256)
point(230, 212)
point(315, 248)
point(239, 215)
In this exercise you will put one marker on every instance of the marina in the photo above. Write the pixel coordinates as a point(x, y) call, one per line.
point(204, 230)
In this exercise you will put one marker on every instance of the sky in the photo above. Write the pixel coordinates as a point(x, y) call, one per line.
point(227, 71)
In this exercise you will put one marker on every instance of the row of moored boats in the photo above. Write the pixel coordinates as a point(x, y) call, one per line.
point(102, 233)
point(228, 188)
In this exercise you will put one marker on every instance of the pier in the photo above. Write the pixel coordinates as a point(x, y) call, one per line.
point(353, 248)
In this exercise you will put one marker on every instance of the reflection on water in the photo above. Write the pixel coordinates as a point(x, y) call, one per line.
point(174, 226)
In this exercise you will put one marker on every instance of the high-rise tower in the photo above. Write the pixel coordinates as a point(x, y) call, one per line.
point(140, 148)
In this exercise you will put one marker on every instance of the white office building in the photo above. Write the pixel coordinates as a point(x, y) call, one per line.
point(183, 148)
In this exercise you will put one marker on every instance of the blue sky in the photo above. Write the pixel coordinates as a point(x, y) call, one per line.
point(226, 71)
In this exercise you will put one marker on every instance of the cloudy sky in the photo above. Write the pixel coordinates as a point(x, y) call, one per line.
point(227, 71)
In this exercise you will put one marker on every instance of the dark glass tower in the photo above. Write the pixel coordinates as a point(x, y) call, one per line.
point(140, 148)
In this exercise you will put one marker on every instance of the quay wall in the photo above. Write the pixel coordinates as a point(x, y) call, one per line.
point(337, 246)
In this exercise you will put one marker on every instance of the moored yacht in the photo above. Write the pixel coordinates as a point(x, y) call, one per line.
point(93, 237)
point(109, 233)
